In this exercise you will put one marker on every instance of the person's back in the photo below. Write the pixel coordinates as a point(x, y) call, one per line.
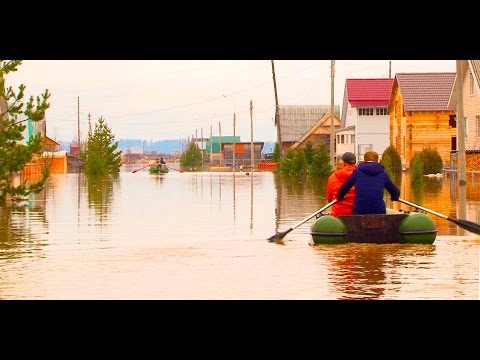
point(336, 180)
point(370, 180)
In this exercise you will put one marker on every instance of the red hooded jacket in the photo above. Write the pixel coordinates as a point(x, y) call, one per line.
point(335, 181)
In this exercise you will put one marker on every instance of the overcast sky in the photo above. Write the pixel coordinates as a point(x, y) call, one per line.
point(173, 99)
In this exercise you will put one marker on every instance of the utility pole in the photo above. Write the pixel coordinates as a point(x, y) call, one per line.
point(211, 143)
point(460, 126)
point(201, 142)
point(234, 121)
point(332, 115)
point(252, 161)
point(390, 69)
point(89, 125)
point(3, 104)
point(234, 118)
point(220, 142)
point(78, 121)
point(277, 115)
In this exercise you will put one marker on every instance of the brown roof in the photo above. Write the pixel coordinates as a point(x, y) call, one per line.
point(425, 91)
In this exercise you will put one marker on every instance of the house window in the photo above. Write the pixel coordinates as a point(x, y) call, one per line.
point(381, 111)
point(342, 141)
point(472, 88)
point(352, 139)
point(452, 121)
point(365, 112)
point(466, 127)
point(478, 126)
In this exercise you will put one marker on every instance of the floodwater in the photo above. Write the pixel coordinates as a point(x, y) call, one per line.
point(204, 236)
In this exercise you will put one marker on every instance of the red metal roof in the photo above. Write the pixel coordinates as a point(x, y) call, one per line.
point(369, 92)
point(425, 91)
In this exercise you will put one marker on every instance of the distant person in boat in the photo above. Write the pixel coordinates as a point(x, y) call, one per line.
point(160, 163)
point(336, 180)
point(370, 180)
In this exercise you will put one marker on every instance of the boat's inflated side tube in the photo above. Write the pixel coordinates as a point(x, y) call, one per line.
point(328, 230)
point(417, 228)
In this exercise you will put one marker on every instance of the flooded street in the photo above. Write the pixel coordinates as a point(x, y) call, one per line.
point(203, 236)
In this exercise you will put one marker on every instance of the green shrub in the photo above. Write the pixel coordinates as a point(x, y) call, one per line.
point(432, 161)
point(309, 152)
point(320, 165)
point(416, 170)
point(392, 162)
point(294, 162)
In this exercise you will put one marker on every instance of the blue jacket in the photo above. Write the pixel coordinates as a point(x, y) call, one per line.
point(370, 180)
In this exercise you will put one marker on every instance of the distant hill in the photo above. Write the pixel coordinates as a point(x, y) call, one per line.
point(137, 146)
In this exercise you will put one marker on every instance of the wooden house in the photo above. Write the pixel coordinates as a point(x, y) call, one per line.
point(243, 154)
point(319, 133)
point(51, 155)
point(420, 114)
point(298, 120)
point(213, 145)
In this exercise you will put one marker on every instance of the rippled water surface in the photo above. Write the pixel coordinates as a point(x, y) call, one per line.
point(203, 236)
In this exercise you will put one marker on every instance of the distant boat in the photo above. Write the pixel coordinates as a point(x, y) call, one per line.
point(154, 169)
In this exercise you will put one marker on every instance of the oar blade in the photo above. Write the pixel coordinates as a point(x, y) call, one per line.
point(134, 171)
point(467, 225)
point(279, 235)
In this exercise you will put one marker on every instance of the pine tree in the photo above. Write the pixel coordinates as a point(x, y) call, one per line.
point(14, 155)
point(276, 153)
point(191, 157)
point(101, 156)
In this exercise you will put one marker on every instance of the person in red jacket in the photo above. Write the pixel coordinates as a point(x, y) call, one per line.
point(336, 180)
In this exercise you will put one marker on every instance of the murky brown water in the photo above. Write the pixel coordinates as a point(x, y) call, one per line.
point(203, 236)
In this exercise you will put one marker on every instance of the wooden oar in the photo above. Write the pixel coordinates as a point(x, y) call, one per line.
point(467, 225)
point(175, 169)
point(280, 235)
point(134, 171)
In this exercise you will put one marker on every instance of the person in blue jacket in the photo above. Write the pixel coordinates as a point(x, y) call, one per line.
point(370, 180)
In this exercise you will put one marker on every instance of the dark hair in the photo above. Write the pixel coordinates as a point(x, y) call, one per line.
point(349, 158)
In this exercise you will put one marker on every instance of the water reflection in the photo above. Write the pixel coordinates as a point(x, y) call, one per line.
point(100, 195)
point(298, 196)
point(203, 236)
point(369, 271)
point(23, 227)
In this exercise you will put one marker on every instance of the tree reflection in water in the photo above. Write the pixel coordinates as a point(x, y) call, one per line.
point(100, 195)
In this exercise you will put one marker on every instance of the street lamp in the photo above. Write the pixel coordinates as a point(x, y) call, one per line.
point(234, 117)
